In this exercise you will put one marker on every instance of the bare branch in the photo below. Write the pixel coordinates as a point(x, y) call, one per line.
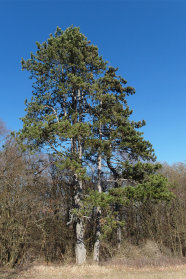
point(55, 112)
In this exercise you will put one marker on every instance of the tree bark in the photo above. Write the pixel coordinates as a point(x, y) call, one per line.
point(98, 215)
point(98, 209)
point(80, 249)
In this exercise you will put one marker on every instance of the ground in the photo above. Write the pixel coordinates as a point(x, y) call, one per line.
point(112, 271)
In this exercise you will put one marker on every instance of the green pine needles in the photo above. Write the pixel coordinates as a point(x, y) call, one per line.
point(79, 114)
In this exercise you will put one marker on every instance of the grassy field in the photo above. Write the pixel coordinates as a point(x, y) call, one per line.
point(97, 272)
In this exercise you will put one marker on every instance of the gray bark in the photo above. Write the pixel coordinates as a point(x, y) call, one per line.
point(97, 245)
point(80, 249)
point(98, 215)
point(98, 209)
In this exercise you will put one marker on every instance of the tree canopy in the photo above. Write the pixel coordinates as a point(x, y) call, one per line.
point(80, 116)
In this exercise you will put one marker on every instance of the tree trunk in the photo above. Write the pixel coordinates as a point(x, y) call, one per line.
point(97, 241)
point(98, 209)
point(98, 215)
point(80, 249)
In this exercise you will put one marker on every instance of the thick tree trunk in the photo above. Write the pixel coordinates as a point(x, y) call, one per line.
point(96, 251)
point(80, 249)
point(98, 209)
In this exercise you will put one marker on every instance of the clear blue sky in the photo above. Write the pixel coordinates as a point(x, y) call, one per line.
point(145, 39)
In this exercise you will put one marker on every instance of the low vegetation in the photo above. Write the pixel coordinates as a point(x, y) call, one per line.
point(112, 271)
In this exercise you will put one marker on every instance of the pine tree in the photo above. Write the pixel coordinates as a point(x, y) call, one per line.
point(120, 148)
point(79, 114)
point(64, 70)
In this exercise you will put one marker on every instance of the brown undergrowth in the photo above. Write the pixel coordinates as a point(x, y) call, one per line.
point(148, 254)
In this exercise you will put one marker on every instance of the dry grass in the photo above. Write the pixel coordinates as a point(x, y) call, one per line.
point(99, 272)
point(143, 262)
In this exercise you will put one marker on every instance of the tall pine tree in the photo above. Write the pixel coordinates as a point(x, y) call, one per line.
point(64, 70)
point(120, 148)
point(79, 114)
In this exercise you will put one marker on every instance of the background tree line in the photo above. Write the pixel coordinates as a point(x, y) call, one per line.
point(79, 173)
